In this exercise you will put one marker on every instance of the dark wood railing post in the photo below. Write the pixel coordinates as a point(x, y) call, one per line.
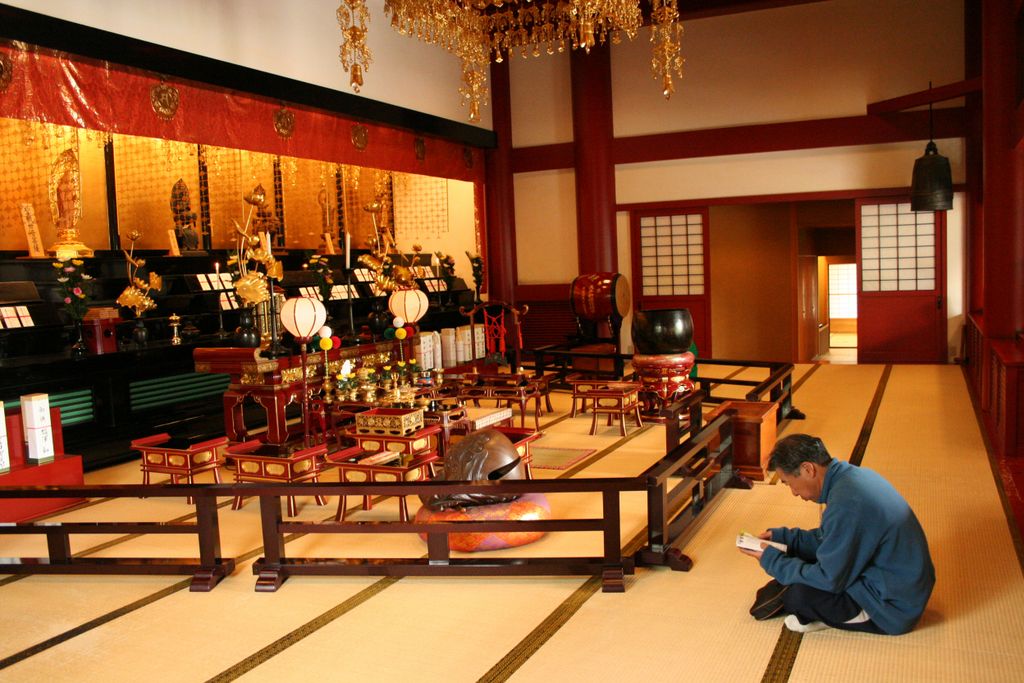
point(211, 569)
point(271, 574)
point(58, 544)
point(612, 578)
point(438, 551)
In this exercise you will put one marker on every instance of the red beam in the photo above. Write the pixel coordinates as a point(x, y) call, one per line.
point(769, 137)
point(780, 137)
point(542, 157)
point(923, 97)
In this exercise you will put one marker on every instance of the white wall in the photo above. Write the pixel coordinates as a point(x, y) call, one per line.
point(297, 39)
point(807, 170)
point(810, 61)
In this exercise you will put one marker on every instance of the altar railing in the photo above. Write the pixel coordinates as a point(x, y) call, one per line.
point(700, 466)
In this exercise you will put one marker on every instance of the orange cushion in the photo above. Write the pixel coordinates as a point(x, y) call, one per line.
point(531, 506)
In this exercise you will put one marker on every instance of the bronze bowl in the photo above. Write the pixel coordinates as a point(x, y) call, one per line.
point(662, 331)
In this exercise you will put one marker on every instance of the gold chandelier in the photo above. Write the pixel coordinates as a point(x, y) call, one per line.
point(476, 30)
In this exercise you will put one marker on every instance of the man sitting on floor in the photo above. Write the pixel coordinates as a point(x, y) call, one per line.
point(867, 568)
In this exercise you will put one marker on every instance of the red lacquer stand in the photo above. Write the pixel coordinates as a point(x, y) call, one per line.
point(63, 470)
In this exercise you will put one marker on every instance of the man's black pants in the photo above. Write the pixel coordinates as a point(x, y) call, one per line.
point(835, 609)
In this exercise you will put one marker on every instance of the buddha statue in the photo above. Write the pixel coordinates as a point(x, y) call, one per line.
point(184, 217)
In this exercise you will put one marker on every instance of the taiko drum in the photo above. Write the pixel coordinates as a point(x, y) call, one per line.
point(600, 296)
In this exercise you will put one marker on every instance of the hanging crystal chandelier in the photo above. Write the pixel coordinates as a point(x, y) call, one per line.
point(355, 56)
point(478, 30)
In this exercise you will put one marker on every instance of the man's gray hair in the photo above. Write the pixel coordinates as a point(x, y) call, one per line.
point(794, 449)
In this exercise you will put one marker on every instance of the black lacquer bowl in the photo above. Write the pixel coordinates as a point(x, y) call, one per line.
point(662, 331)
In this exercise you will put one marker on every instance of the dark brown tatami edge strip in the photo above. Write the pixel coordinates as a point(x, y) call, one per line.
point(807, 375)
point(783, 657)
point(857, 456)
point(540, 635)
point(94, 623)
point(993, 462)
point(126, 609)
point(788, 645)
point(310, 627)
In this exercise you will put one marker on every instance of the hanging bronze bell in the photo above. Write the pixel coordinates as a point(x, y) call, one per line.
point(931, 188)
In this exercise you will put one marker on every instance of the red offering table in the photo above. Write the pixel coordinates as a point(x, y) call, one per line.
point(178, 458)
point(63, 470)
point(414, 455)
point(258, 462)
point(272, 383)
point(380, 467)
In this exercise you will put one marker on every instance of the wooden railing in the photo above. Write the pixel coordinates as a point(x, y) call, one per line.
point(206, 570)
point(778, 386)
point(702, 463)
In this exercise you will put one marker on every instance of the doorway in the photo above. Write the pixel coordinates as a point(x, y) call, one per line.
point(826, 240)
point(841, 290)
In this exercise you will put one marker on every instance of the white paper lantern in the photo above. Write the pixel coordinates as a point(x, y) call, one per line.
point(303, 316)
point(409, 304)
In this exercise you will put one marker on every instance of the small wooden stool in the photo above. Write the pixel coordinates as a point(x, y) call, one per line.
point(621, 399)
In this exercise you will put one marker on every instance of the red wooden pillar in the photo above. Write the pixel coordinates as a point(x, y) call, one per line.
point(500, 195)
point(973, 161)
point(1003, 232)
point(593, 134)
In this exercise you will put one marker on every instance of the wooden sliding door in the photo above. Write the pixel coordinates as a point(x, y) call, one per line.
point(670, 265)
point(901, 261)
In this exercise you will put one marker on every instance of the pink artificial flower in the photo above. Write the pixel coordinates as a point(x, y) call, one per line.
point(67, 299)
point(69, 269)
point(77, 291)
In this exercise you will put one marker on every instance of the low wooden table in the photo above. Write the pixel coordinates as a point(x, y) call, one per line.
point(256, 461)
point(620, 399)
point(582, 386)
point(361, 468)
point(509, 388)
point(180, 457)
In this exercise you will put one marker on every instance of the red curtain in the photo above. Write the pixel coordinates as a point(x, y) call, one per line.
point(60, 89)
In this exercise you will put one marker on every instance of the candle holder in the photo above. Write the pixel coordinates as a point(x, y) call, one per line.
point(275, 349)
point(175, 322)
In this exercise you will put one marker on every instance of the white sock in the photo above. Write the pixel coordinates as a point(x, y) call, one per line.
point(859, 619)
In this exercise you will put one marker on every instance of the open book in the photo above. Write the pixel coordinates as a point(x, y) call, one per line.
point(750, 542)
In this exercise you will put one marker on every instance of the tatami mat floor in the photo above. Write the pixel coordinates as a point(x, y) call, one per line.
point(920, 433)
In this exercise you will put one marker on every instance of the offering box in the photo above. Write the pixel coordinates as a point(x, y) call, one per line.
point(389, 421)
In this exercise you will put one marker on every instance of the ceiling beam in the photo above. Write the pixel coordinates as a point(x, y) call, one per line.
point(923, 97)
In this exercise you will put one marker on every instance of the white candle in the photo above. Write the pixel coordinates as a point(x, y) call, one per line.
point(216, 267)
point(348, 250)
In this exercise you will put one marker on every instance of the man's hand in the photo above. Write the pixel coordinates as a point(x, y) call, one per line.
point(756, 554)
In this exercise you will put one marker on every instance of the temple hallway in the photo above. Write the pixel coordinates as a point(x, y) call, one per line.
point(914, 424)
